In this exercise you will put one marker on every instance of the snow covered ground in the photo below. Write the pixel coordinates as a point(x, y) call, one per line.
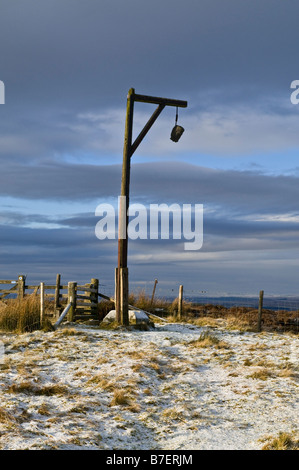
point(175, 387)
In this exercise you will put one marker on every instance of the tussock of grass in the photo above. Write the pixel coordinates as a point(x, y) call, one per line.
point(207, 340)
point(262, 374)
point(6, 417)
point(30, 388)
point(120, 397)
point(70, 332)
point(137, 367)
point(173, 414)
point(44, 410)
point(107, 325)
point(136, 354)
point(284, 441)
point(100, 381)
point(20, 315)
point(134, 407)
point(247, 362)
point(47, 326)
point(287, 371)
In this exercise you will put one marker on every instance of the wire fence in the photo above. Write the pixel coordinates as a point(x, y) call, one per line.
point(276, 312)
point(273, 312)
point(274, 303)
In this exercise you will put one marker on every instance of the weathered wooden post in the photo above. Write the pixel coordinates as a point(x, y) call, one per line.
point(180, 303)
point(116, 296)
point(122, 281)
point(72, 298)
point(124, 295)
point(57, 297)
point(94, 284)
point(21, 287)
point(260, 311)
point(42, 303)
point(154, 290)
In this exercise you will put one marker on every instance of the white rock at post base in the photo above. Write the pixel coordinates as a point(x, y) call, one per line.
point(135, 316)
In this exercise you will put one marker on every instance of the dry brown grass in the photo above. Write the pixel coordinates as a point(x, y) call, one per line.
point(70, 332)
point(261, 374)
point(105, 383)
point(173, 308)
point(20, 315)
point(206, 340)
point(29, 388)
point(246, 318)
point(104, 308)
point(144, 302)
point(44, 410)
point(287, 371)
point(284, 441)
point(7, 417)
point(136, 354)
point(120, 397)
point(174, 414)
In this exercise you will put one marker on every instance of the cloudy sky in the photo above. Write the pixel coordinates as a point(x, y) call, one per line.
point(67, 66)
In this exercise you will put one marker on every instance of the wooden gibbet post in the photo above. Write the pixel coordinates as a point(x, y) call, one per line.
point(94, 284)
point(21, 287)
point(122, 281)
point(42, 303)
point(57, 297)
point(116, 297)
point(122, 277)
point(72, 297)
point(180, 303)
point(260, 311)
point(124, 294)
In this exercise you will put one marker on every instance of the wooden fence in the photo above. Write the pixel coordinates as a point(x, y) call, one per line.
point(83, 298)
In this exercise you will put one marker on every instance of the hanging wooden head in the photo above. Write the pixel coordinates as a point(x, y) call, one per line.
point(177, 131)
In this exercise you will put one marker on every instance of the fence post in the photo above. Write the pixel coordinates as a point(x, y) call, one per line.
point(260, 311)
point(94, 284)
point(42, 303)
point(72, 298)
point(21, 287)
point(57, 297)
point(180, 303)
point(124, 301)
point(154, 289)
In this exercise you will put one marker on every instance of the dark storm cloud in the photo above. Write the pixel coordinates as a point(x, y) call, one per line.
point(241, 192)
point(39, 237)
point(62, 59)
point(76, 252)
point(60, 181)
point(41, 253)
point(71, 53)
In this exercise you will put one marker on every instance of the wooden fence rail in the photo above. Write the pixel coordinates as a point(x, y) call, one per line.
point(6, 292)
point(64, 313)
